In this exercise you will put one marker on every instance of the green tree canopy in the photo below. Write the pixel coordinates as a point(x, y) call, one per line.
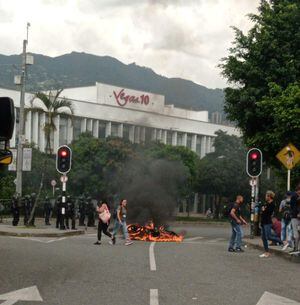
point(267, 57)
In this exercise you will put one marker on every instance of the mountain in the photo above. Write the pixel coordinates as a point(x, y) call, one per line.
point(81, 69)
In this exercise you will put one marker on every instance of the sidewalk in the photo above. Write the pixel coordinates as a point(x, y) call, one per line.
point(256, 243)
point(40, 230)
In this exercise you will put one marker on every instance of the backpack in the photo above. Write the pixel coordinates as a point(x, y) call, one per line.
point(227, 209)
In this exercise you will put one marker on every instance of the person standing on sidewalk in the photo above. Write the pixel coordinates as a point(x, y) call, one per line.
point(286, 226)
point(295, 215)
point(121, 222)
point(267, 211)
point(236, 220)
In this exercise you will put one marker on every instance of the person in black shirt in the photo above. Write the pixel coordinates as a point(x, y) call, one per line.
point(267, 211)
point(236, 220)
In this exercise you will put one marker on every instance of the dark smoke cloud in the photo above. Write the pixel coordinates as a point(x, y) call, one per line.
point(151, 187)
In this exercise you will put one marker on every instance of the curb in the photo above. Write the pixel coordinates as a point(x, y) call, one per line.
point(285, 255)
point(37, 234)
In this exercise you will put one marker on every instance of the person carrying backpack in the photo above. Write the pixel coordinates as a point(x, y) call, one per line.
point(236, 220)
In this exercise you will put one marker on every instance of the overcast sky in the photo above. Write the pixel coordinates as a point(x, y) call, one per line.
point(176, 38)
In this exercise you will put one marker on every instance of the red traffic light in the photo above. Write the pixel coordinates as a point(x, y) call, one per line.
point(254, 162)
point(63, 153)
point(253, 156)
point(63, 159)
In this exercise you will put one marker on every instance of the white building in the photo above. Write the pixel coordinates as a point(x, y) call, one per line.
point(106, 110)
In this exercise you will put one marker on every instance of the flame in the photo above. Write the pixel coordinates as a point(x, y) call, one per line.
point(150, 233)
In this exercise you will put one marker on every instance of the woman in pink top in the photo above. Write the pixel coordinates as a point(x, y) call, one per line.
point(103, 224)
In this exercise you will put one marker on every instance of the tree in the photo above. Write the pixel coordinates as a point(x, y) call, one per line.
point(223, 173)
point(262, 65)
point(53, 105)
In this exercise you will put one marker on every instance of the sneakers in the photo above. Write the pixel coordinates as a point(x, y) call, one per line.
point(265, 255)
point(285, 247)
point(128, 243)
point(231, 250)
point(97, 242)
point(239, 250)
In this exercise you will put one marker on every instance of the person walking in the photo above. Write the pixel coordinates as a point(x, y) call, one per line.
point(267, 211)
point(236, 220)
point(120, 221)
point(286, 226)
point(295, 215)
point(104, 219)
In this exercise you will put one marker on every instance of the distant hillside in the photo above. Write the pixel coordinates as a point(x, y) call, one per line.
point(81, 69)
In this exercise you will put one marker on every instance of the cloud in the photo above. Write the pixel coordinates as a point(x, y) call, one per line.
point(176, 38)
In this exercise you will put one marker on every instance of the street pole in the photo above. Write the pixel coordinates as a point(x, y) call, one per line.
point(289, 180)
point(21, 120)
point(21, 124)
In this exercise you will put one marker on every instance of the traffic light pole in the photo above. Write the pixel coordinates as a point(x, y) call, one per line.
point(63, 199)
point(252, 208)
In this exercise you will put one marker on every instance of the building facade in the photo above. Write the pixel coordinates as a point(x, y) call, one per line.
point(105, 110)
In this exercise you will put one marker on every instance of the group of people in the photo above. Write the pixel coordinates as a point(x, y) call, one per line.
point(283, 233)
point(27, 203)
point(105, 216)
point(66, 214)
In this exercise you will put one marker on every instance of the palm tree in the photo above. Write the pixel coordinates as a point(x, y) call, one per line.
point(53, 105)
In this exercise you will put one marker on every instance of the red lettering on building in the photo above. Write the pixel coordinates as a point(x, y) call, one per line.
point(123, 99)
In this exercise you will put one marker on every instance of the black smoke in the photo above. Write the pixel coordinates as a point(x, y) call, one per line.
point(152, 188)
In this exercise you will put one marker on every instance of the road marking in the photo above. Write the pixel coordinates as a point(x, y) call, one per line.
point(57, 239)
point(25, 294)
point(273, 299)
point(152, 257)
point(39, 240)
point(193, 238)
point(154, 297)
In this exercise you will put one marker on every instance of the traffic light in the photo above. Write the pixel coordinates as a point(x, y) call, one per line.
point(63, 159)
point(7, 118)
point(254, 162)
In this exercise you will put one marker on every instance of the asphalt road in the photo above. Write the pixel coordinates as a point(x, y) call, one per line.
point(73, 271)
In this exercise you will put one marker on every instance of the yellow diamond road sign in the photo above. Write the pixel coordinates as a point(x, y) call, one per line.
point(289, 156)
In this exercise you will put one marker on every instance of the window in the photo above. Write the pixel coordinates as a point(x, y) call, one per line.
point(114, 130)
point(198, 146)
point(179, 139)
point(126, 132)
point(76, 128)
point(169, 137)
point(189, 141)
point(148, 134)
point(137, 134)
point(101, 130)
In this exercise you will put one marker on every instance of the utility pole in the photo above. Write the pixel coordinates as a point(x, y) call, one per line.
point(21, 137)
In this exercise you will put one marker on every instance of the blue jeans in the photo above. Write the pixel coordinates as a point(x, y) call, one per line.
point(286, 232)
point(266, 234)
point(117, 226)
point(236, 236)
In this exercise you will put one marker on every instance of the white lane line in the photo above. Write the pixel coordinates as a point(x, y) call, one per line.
point(193, 238)
point(29, 238)
point(154, 297)
point(152, 257)
point(57, 239)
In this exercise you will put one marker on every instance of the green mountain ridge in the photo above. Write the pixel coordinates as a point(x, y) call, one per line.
point(82, 69)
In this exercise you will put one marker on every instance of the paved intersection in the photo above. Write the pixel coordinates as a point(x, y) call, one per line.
point(73, 271)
